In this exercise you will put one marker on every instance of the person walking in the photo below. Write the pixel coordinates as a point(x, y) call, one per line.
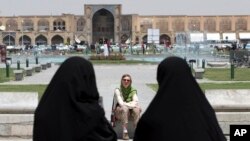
point(179, 110)
point(69, 108)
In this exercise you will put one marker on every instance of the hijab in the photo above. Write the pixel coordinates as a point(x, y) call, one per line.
point(128, 92)
point(69, 109)
point(179, 110)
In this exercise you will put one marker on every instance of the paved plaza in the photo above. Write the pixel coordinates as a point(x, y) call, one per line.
point(108, 78)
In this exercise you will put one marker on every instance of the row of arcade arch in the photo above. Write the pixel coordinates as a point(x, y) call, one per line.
point(39, 40)
point(162, 39)
point(57, 39)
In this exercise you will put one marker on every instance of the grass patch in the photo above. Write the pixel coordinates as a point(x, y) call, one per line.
point(3, 77)
point(224, 74)
point(24, 88)
point(206, 86)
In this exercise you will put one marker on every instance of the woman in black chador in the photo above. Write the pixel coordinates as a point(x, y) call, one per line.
point(69, 109)
point(180, 110)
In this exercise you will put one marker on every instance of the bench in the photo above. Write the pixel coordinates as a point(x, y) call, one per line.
point(49, 65)
point(38, 68)
point(44, 66)
point(28, 71)
point(16, 114)
point(18, 102)
point(18, 74)
point(232, 106)
point(198, 73)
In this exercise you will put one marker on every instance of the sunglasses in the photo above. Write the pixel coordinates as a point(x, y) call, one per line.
point(126, 80)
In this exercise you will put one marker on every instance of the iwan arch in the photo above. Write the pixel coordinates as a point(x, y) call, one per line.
point(107, 22)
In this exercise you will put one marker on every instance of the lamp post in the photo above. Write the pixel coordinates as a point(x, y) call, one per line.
point(22, 33)
point(131, 42)
point(9, 34)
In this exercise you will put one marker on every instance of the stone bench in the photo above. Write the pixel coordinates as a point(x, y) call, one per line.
point(18, 102)
point(49, 65)
point(44, 66)
point(198, 73)
point(16, 114)
point(232, 106)
point(38, 68)
point(217, 64)
point(28, 71)
point(18, 74)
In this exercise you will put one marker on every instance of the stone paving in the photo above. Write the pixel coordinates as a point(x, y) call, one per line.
point(108, 78)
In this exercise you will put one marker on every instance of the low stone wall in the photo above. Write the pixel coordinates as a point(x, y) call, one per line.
point(231, 107)
point(17, 115)
point(18, 102)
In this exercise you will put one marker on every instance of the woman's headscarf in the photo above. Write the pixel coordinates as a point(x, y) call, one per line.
point(128, 92)
point(179, 110)
point(69, 109)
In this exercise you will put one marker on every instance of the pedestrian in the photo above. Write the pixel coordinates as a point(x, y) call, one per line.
point(126, 104)
point(143, 48)
point(69, 109)
point(179, 110)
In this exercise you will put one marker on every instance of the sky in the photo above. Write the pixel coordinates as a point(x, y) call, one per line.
point(141, 7)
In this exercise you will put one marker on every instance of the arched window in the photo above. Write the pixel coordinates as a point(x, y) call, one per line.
point(59, 25)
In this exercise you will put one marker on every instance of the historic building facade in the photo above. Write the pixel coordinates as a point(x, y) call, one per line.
point(107, 22)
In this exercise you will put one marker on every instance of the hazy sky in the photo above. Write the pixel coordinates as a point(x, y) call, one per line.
point(141, 7)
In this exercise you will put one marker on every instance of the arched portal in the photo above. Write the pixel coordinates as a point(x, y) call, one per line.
point(103, 26)
point(165, 39)
point(9, 40)
point(41, 40)
point(25, 40)
point(57, 39)
point(145, 39)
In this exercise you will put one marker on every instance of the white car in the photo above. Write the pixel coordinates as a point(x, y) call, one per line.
point(10, 47)
point(81, 47)
point(62, 47)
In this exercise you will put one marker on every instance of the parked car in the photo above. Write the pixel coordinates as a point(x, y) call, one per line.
point(81, 47)
point(62, 47)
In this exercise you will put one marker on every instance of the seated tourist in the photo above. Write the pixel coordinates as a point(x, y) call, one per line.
point(126, 104)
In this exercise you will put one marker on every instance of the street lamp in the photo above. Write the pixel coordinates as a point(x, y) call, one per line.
point(131, 50)
point(9, 34)
point(22, 33)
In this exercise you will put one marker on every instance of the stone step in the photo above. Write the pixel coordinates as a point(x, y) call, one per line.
point(14, 139)
point(29, 139)
point(20, 125)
